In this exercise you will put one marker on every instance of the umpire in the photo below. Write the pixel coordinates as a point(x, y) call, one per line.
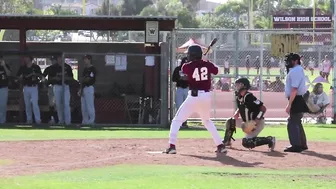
point(295, 89)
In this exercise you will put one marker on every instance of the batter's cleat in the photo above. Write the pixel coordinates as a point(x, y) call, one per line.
point(221, 149)
point(170, 150)
point(272, 143)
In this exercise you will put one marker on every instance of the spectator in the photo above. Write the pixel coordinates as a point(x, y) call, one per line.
point(282, 66)
point(226, 65)
point(269, 64)
point(277, 85)
point(317, 102)
point(257, 64)
point(247, 64)
point(311, 65)
point(326, 67)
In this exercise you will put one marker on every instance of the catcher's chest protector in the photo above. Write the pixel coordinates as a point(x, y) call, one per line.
point(243, 109)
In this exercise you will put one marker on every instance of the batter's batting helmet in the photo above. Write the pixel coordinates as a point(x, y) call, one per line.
point(194, 52)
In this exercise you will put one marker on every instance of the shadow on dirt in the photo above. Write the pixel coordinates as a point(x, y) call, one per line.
point(320, 155)
point(226, 160)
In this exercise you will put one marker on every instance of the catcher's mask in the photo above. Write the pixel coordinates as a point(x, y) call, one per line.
point(242, 84)
point(194, 52)
point(290, 59)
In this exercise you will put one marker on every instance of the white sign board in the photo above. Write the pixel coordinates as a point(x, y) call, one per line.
point(152, 32)
point(110, 60)
point(121, 63)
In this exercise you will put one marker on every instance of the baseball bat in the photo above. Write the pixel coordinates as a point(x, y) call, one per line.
point(210, 45)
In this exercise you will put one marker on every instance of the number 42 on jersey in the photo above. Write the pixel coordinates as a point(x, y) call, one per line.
point(200, 74)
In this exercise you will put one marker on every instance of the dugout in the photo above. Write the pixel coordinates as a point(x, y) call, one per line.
point(147, 100)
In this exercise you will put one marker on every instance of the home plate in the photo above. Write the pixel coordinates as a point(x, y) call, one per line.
point(155, 152)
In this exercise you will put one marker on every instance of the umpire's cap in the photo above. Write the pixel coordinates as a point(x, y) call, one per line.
point(245, 82)
point(194, 52)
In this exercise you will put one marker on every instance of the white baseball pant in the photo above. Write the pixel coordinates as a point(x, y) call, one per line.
point(30, 95)
point(87, 105)
point(201, 105)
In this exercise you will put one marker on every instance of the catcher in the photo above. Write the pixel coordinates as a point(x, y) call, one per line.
point(252, 111)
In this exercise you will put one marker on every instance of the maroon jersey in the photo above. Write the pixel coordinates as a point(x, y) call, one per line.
point(199, 74)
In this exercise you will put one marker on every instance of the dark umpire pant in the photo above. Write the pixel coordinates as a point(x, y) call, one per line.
point(296, 133)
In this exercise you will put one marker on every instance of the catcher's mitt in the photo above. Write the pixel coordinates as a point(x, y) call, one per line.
point(249, 126)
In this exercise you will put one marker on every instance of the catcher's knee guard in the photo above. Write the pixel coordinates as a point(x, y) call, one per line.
point(249, 143)
point(230, 128)
point(256, 141)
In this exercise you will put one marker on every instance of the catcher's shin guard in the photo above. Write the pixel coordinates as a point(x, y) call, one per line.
point(230, 128)
point(256, 141)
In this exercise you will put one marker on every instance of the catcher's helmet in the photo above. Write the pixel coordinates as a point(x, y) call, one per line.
point(245, 84)
point(194, 52)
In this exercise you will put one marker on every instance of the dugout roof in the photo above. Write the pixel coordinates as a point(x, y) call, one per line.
point(121, 23)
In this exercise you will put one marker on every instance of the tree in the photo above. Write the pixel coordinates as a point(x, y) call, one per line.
point(15, 6)
point(211, 21)
point(191, 4)
point(133, 7)
point(185, 18)
point(108, 9)
point(59, 10)
point(232, 8)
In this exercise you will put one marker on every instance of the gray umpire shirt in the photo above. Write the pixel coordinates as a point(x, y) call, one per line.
point(296, 79)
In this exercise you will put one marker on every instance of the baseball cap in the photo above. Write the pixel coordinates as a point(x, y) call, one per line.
point(89, 57)
point(53, 58)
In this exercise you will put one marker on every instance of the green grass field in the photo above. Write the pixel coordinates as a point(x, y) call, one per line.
point(164, 176)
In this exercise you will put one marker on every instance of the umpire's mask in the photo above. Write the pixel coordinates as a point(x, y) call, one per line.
point(289, 60)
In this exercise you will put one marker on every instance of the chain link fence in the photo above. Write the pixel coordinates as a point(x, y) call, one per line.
point(247, 53)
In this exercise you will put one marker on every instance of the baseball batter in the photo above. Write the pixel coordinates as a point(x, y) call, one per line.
point(30, 74)
point(252, 111)
point(198, 73)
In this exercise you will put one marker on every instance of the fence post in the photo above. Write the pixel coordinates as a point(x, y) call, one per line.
point(164, 64)
point(261, 63)
point(171, 68)
point(334, 65)
point(63, 87)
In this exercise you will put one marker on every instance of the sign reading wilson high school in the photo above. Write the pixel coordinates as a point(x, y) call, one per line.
point(302, 19)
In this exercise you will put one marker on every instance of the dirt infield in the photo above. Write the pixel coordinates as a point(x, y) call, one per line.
point(33, 157)
point(223, 104)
